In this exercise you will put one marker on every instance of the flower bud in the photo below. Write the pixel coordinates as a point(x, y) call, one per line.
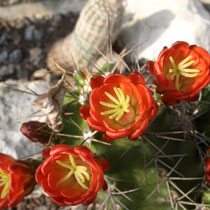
point(36, 131)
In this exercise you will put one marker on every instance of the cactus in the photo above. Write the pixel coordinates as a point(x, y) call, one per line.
point(154, 172)
point(162, 169)
point(90, 37)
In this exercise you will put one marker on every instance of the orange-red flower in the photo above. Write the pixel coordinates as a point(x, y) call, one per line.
point(16, 180)
point(119, 105)
point(70, 175)
point(181, 71)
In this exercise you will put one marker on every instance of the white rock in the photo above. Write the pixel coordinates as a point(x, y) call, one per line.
point(16, 108)
point(154, 24)
point(41, 8)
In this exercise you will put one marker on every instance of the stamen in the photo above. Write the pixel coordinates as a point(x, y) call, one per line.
point(112, 98)
point(191, 70)
point(80, 176)
point(115, 114)
point(185, 60)
point(72, 161)
point(79, 172)
point(65, 177)
point(172, 62)
point(108, 104)
point(120, 106)
point(82, 167)
point(111, 111)
point(86, 174)
point(181, 69)
point(5, 180)
point(5, 191)
point(63, 164)
point(177, 82)
point(79, 181)
point(189, 75)
point(187, 64)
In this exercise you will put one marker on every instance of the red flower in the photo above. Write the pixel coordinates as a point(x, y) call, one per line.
point(120, 106)
point(181, 71)
point(16, 180)
point(70, 175)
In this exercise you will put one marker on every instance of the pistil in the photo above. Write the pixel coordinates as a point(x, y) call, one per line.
point(80, 172)
point(119, 106)
point(181, 69)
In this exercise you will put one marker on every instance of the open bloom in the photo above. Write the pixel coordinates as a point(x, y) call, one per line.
point(16, 180)
point(70, 175)
point(119, 105)
point(181, 71)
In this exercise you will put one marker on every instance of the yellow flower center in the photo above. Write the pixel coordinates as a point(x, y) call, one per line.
point(181, 69)
point(4, 181)
point(80, 172)
point(119, 106)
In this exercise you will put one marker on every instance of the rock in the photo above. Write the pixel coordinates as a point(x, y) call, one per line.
point(35, 55)
point(151, 25)
point(15, 56)
point(3, 57)
point(29, 32)
point(57, 18)
point(15, 109)
point(40, 8)
point(41, 74)
point(206, 4)
point(14, 36)
point(22, 74)
point(5, 71)
point(3, 37)
point(37, 35)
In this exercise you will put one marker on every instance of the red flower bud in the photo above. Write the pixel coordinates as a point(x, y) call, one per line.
point(70, 175)
point(120, 106)
point(36, 131)
point(16, 180)
point(180, 72)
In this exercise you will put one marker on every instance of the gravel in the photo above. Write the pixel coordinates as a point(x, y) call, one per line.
point(6, 71)
point(15, 56)
point(3, 57)
point(24, 43)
